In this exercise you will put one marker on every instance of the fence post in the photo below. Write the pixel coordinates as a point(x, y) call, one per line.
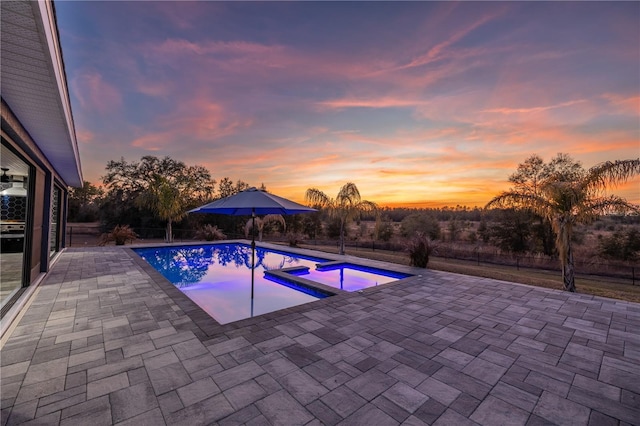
point(633, 275)
point(478, 257)
point(70, 236)
point(517, 263)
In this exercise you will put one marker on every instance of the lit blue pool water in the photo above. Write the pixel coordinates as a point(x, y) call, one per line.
point(349, 277)
point(218, 278)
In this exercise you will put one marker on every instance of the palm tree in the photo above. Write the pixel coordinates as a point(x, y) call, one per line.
point(568, 195)
point(261, 222)
point(165, 200)
point(348, 205)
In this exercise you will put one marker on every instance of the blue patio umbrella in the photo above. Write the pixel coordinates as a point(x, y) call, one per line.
point(253, 202)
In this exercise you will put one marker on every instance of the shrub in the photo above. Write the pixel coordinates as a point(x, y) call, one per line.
point(420, 222)
point(294, 238)
point(210, 233)
point(385, 229)
point(420, 247)
point(333, 228)
point(621, 245)
point(120, 235)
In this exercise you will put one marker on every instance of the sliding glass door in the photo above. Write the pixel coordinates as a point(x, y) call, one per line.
point(14, 202)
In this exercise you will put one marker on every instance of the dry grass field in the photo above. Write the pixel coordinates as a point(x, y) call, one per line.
point(597, 286)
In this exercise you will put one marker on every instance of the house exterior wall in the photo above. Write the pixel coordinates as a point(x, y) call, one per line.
point(38, 144)
point(42, 180)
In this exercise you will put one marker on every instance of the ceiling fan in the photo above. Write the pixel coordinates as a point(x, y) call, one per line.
point(4, 178)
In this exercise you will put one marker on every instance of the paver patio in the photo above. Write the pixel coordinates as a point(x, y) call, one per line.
point(107, 340)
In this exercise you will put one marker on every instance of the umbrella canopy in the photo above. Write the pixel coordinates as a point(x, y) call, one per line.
point(253, 201)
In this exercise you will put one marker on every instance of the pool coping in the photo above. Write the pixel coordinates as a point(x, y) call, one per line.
point(211, 327)
point(285, 274)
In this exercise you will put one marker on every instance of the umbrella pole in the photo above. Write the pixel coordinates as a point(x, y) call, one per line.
point(253, 249)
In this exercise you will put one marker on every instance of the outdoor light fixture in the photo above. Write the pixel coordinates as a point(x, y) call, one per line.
point(16, 189)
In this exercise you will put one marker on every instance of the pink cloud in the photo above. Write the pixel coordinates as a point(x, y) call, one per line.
point(197, 119)
point(624, 104)
point(152, 88)
point(254, 63)
point(382, 102)
point(441, 49)
point(235, 49)
point(84, 136)
point(95, 94)
point(530, 110)
point(183, 14)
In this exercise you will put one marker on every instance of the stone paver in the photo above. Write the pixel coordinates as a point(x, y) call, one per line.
point(108, 340)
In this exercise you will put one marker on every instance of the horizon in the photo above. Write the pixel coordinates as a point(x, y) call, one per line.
point(421, 105)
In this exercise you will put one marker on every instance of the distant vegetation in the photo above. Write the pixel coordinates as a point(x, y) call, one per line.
point(149, 194)
point(133, 195)
point(347, 206)
point(562, 193)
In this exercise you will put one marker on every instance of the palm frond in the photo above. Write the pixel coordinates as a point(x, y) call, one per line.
point(512, 199)
point(611, 204)
point(368, 206)
point(317, 198)
point(611, 173)
point(348, 195)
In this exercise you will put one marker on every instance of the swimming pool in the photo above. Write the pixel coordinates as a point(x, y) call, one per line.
point(217, 277)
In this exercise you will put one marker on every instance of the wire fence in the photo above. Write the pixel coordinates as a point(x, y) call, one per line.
point(89, 235)
point(628, 272)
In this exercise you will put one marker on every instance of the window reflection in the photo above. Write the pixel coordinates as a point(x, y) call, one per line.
point(54, 239)
point(14, 206)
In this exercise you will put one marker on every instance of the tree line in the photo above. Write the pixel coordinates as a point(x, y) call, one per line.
point(150, 193)
point(540, 213)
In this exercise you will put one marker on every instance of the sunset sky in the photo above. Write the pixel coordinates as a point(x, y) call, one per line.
point(418, 103)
